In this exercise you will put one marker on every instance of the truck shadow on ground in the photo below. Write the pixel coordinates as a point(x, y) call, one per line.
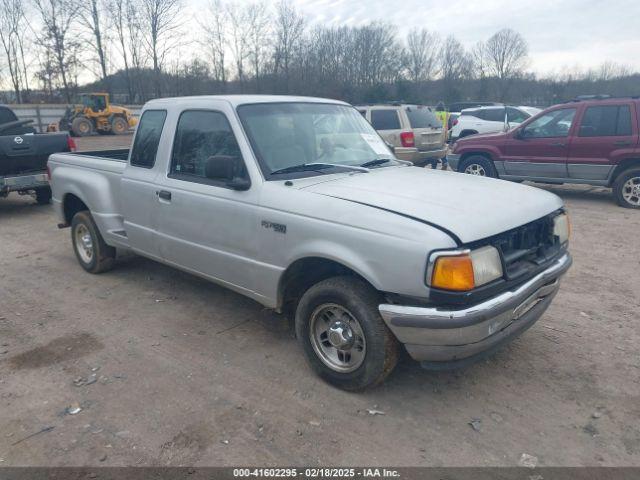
point(20, 205)
point(265, 328)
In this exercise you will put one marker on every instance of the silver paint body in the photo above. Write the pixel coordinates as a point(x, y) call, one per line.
point(382, 224)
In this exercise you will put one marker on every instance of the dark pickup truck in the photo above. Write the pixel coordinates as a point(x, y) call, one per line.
point(593, 141)
point(24, 154)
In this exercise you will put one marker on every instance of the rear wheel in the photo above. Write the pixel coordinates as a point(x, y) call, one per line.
point(43, 196)
point(119, 126)
point(93, 254)
point(478, 165)
point(343, 336)
point(626, 188)
point(81, 127)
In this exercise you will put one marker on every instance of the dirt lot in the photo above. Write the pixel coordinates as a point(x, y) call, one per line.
point(190, 373)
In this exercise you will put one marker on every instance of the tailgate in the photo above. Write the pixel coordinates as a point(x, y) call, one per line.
point(427, 129)
point(29, 152)
point(429, 138)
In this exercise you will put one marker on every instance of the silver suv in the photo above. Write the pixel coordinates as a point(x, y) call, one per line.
point(413, 130)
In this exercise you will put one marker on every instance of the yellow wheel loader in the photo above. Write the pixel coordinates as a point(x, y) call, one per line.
point(96, 114)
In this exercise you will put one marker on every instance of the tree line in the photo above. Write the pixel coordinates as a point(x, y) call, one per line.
point(142, 49)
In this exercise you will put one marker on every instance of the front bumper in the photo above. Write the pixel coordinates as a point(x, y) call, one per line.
point(19, 183)
point(448, 338)
point(454, 160)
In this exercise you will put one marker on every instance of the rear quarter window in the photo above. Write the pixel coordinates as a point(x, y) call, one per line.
point(385, 120)
point(6, 115)
point(422, 117)
point(145, 145)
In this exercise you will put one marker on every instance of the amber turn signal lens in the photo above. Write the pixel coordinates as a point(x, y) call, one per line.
point(453, 273)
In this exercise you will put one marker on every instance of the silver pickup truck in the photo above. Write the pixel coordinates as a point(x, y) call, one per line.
point(299, 204)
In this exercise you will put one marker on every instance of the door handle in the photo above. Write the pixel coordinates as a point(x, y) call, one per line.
point(164, 195)
point(557, 144)
point(623, 143)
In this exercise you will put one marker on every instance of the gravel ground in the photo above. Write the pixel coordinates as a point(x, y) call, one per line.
point(167, 369)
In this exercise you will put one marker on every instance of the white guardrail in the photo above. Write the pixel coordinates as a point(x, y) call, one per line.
point(43, 114)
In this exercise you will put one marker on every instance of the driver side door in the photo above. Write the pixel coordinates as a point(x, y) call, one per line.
point(540, 148)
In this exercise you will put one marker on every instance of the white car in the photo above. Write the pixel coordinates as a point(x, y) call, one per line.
point(489, 119)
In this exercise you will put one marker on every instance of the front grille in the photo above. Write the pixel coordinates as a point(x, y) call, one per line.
point(525, 249)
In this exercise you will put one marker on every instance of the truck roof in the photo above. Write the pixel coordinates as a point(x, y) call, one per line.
point(236, 100)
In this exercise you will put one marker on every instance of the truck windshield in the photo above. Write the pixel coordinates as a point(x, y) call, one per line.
point(295, 134)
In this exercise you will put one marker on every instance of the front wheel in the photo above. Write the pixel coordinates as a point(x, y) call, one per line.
point(626, 188)
point(478, 165)
point(93, 254)
point(343, 336)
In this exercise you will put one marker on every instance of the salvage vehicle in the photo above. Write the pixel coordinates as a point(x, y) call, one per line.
point(414, 131)
point(593, 141)
point(24, 154)
point(256, 194)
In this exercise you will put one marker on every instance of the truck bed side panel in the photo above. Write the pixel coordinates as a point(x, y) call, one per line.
point(95, 181)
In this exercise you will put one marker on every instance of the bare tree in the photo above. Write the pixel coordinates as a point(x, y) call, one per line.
point(506, 56)
point(258, 33)
point(238, 41)
point(611, 70)
point(289, 31)
point(57, 17)
point(160, 24)
point(91, 16)
point(215, 41)
point(12, 29)
point(421, 54)
point(455, 65)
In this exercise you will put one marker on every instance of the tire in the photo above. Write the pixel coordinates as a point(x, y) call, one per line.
point(626, 188)
point(350, 305)
point(119, 126)
point(478, 165)
point(43, 196)
point(93, 254)
point(81, 127)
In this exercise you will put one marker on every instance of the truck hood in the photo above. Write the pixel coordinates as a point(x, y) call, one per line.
point(469, 207)
point(493, 137)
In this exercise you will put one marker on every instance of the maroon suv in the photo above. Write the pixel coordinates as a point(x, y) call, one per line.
point(593, 141)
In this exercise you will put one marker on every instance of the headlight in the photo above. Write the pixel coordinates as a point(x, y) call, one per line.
point(464, 270)
point(561, 228)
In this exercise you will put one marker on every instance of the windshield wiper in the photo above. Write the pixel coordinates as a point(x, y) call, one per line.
point(309, 167)
point(377, 161)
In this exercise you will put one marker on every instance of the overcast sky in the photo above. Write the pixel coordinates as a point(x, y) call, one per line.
point(560, 34)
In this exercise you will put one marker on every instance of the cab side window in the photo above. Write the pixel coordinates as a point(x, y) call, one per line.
point(145, 146)
point(554, 124)
point(606, 121)
point(205, 149)
point(493, 114)
point(385, 120)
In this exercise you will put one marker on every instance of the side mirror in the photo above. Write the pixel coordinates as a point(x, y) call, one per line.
point(519, 134)
point(227, 169)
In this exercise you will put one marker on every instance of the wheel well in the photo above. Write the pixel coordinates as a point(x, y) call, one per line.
point(622, 166)
point(72, 205)
point(466, 133)
point(302, 275)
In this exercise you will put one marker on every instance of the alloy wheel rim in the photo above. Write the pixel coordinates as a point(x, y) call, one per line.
point(84, 243)
point(337, 338)
point(475, 169)
point(631, 191)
